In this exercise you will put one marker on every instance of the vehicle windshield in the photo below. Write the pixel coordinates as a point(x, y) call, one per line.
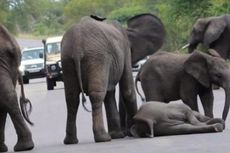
point(32, 54)
point(54, 48)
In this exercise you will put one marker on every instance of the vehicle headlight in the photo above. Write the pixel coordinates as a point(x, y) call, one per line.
point(59, 64)
point(53, 67)
point(21, 68)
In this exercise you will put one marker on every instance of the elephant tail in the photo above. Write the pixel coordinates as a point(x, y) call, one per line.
point(78, 66)
point(24, 102)
point(138, 92)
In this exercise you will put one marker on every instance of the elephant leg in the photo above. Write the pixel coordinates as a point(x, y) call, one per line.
point(72, 103)
point(207, 120)
point(122, 113)
point(207, 98)
point(167, 129)
point(216, 120)
point(98, 79)
point(112, 114)
point(200, 117)
point(72, 93)
point(192, 119)
point(3, 147)
point(25, 141)
point(128, 94)
point(190, 99)
point(100, 135)
point(192, 103)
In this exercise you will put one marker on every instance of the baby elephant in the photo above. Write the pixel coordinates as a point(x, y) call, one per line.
point(160, 119)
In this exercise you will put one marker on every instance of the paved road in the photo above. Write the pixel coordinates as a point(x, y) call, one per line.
point(49, 115)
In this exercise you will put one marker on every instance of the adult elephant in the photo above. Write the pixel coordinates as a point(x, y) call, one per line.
point(99, 53)
point(146, 35)
point(212, 32)
point(160, 119)
point(169, 76)
point(10, 57)
point(95, 56)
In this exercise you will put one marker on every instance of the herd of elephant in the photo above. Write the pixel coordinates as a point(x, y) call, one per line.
point(97, 54)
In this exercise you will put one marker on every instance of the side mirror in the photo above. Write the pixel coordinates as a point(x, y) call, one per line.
point(43, 41)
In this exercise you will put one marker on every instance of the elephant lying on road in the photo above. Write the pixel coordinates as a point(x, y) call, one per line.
point(169, 76)
point(10, 57)
point(212, 32)
point(160, 119)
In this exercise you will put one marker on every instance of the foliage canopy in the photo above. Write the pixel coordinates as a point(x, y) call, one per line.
point(53, 17)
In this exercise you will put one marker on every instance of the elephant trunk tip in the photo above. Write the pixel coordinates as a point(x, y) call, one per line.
point(226, 105)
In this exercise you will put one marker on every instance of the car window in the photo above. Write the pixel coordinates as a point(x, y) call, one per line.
point(32, 54)
point(54, 48)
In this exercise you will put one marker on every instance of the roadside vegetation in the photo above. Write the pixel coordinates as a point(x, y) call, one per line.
point(53, 17)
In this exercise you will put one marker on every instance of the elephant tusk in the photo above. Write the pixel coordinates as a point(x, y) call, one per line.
point(185, 46)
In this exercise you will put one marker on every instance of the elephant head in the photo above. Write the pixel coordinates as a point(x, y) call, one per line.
point(206, 31)
point(210, 68)
point(146, 34)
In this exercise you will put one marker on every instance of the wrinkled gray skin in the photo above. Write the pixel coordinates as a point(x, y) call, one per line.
point(95, 57)
point(146, 35)
point(212, 32)
point(160, 119)
point(102, 59)
point(10, 57)
point(169, 76)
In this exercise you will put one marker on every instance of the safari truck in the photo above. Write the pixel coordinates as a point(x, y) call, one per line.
point(52, 61)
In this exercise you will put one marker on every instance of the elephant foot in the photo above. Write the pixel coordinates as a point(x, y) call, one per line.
point(116, 134)
point(70, 140)
point(102, 137)
point(216, 120)
point(24, 145)
point(218, 127)
point(3, 148)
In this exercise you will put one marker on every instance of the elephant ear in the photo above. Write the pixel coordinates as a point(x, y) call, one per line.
point(196, 65)
point(214, 30)
point(146, 34)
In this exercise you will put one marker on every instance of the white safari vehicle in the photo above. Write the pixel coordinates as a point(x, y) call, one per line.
point(32, 64)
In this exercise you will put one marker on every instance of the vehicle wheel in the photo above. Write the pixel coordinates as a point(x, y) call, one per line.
point(55, 83)
point(25, 80)
point(50, 84)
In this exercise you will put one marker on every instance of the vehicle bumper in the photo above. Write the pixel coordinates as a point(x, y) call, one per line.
point(32, 75)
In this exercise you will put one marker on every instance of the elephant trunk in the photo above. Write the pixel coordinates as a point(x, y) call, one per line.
point(227, 103)
point(192, 47)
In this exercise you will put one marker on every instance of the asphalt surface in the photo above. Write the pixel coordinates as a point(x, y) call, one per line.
point(49, 116)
